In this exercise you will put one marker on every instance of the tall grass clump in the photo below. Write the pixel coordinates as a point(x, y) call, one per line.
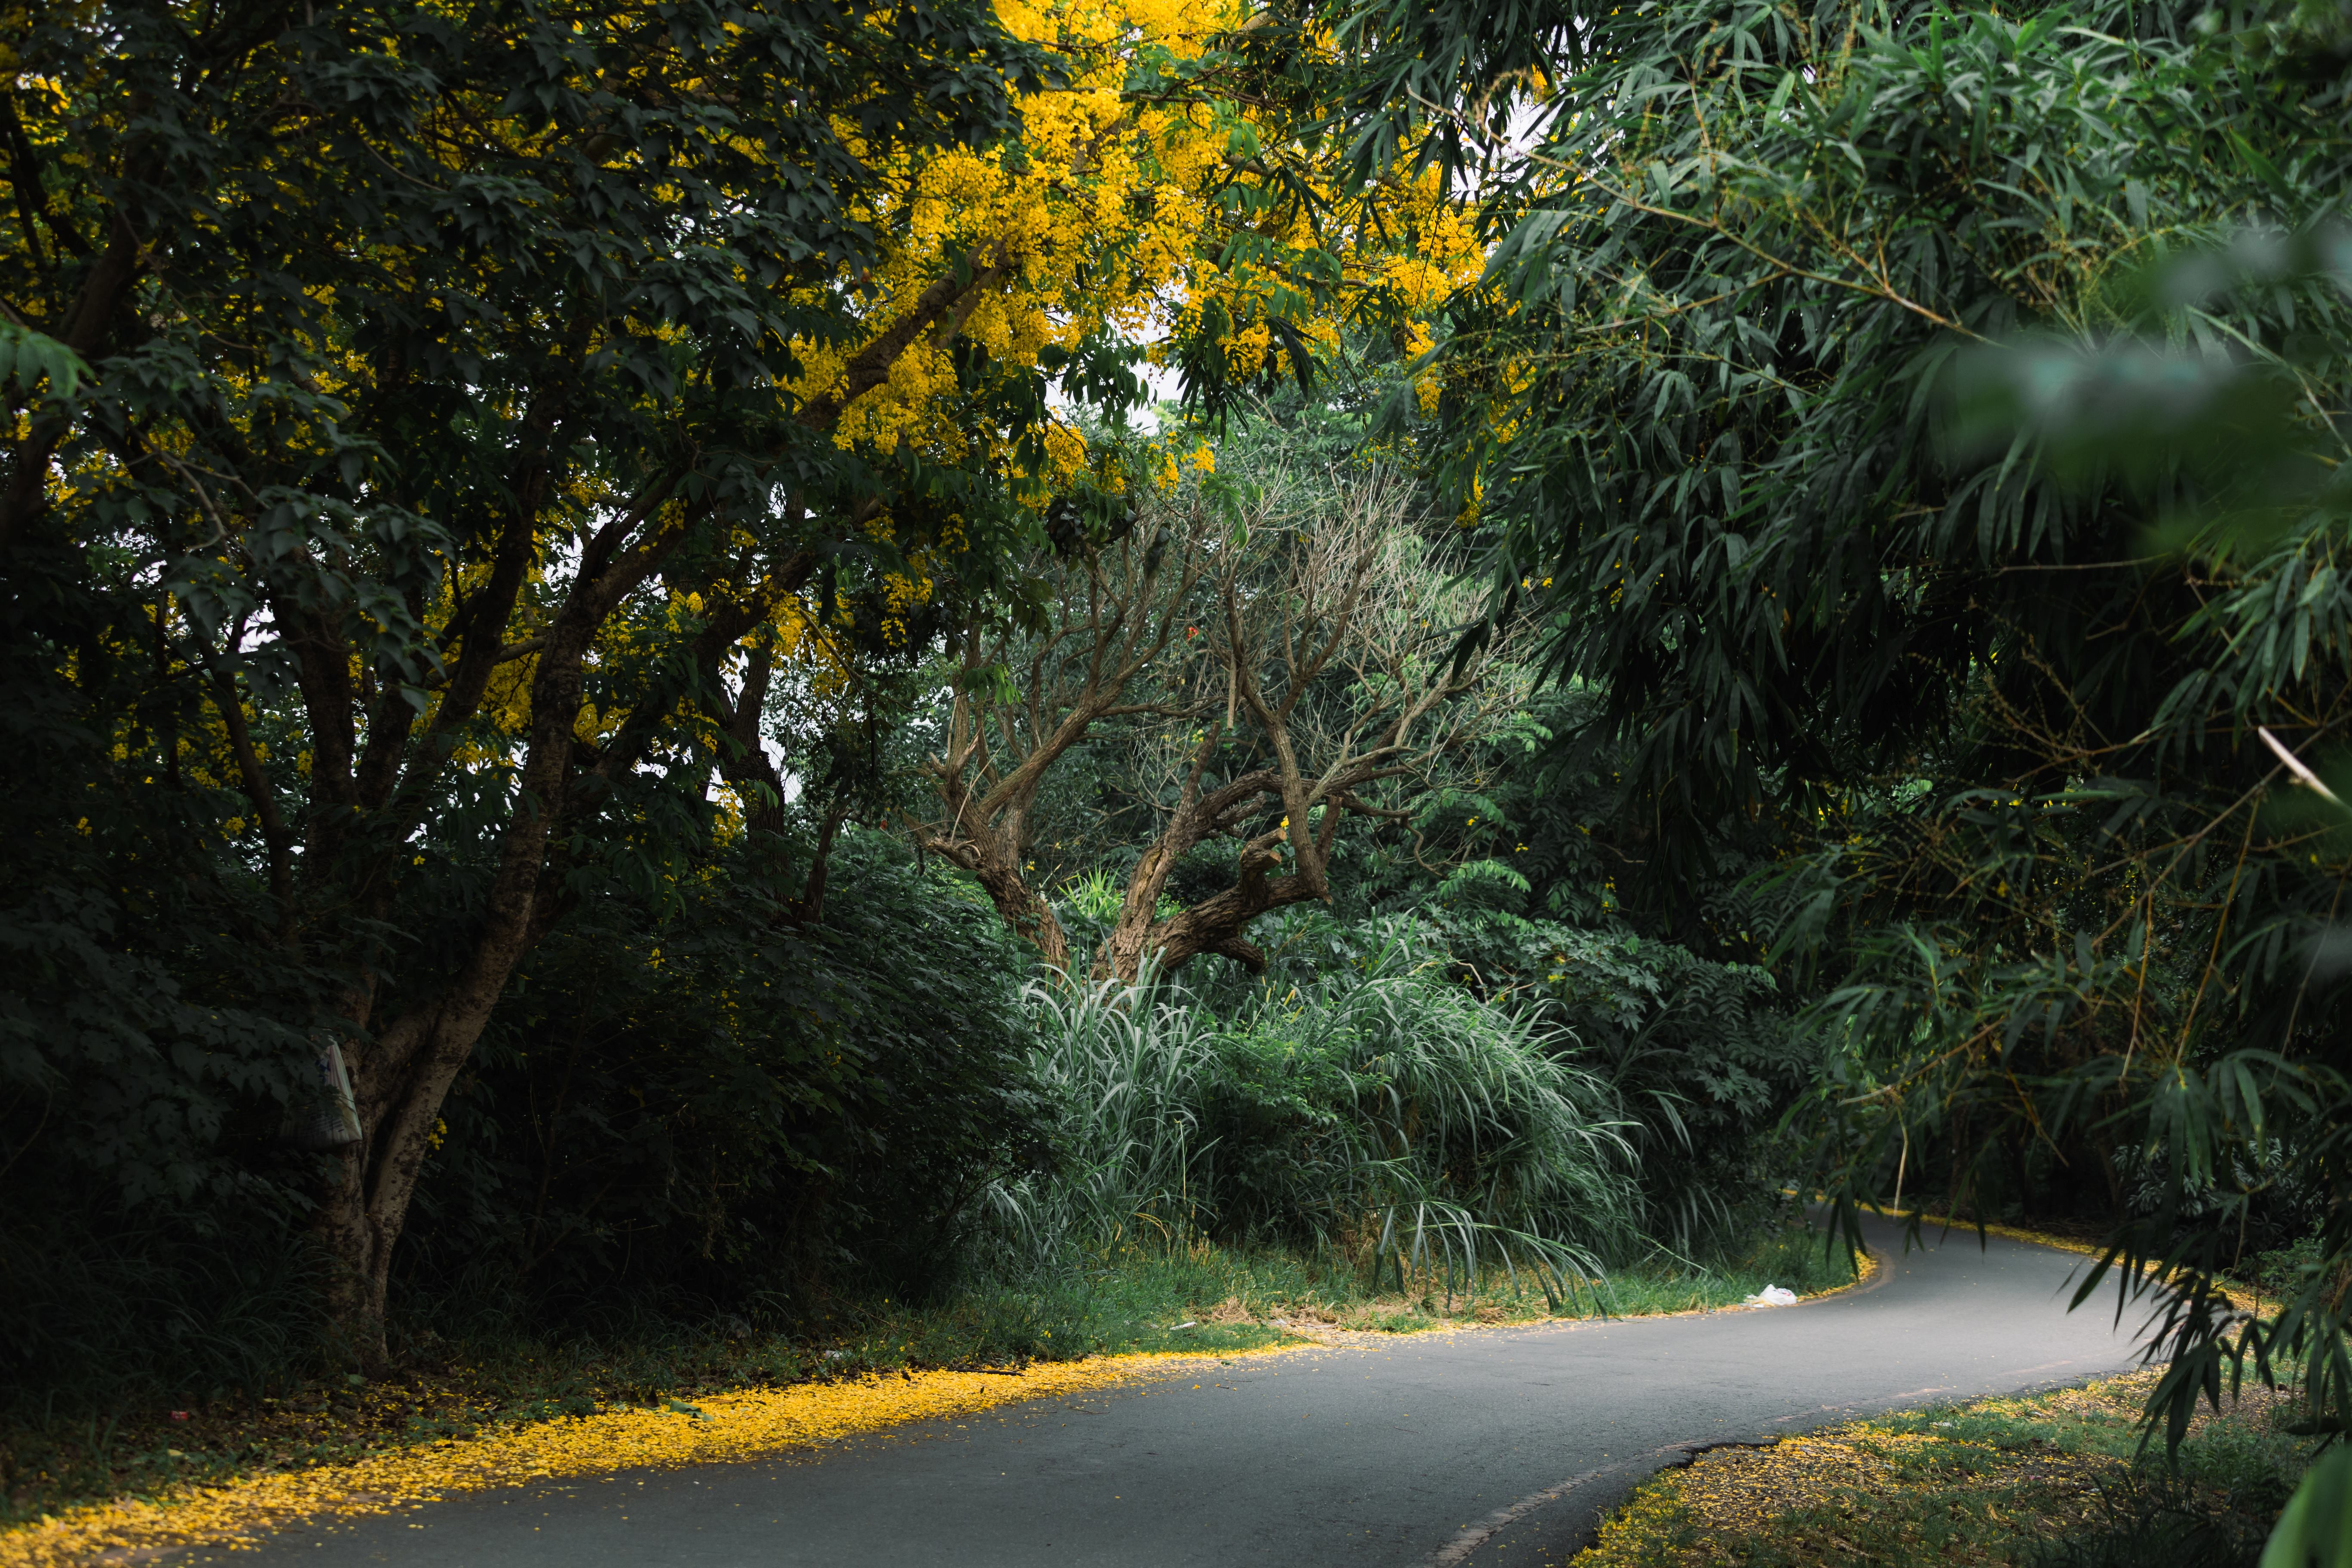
point(1376, 1112)
point(1126, 1070)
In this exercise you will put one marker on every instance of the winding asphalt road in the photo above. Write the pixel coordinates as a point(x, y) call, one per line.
point(1471, 1450)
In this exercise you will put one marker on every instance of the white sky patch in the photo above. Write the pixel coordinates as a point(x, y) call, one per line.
point(1160, 385)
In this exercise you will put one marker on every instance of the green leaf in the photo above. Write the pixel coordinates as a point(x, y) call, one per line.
point(28, 358)
point(2315, 1531)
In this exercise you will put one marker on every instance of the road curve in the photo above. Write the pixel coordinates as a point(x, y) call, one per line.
point(1470, 1450)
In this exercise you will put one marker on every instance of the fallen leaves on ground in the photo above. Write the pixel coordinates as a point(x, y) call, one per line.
point(1807, 1491)
point(720, 1427)
point(1885, 1490)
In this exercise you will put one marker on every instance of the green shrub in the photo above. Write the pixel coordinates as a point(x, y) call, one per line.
point(1701, 1055)
point(107, 1303)
point(722, 1112)
point(1376, 1111)
point(2155, 1523)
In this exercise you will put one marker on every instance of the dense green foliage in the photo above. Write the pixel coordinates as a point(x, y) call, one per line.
point(710, 1114)
point(725, 1111)
point(1376, 1112)
point(367, 363)
point(1497, 841)
point(1923, 433)
point(436, 433)
point(1892, 469)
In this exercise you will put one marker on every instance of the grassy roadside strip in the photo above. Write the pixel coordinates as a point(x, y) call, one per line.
point(492, 1411)
point(2046, 1480)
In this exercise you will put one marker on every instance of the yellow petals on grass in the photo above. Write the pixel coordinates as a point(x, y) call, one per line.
point(718, 1427)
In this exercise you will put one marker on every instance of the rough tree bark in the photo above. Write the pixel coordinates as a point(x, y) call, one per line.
point(402, 1066)
point(1118, 614)
point(1289, 636)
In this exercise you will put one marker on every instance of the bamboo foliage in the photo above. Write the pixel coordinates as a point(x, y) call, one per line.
point(1925, 430)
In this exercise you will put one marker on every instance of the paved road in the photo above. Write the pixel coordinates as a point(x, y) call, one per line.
point(1492, 1449)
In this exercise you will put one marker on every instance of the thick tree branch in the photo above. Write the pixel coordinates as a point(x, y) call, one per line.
point(946, 298)
point(276, 839)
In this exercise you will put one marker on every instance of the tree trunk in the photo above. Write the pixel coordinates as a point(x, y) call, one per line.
point(811, 909)
point(1031, 917)
point(1122, 952)
point(403, 1075)
point(746, 765)
point(1214, 925)
point(367, 1206)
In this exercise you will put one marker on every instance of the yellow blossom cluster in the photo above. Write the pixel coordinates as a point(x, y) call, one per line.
point(1152, 217)
point(1145, 199)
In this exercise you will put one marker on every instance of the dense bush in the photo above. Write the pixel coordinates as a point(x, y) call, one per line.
point(1701, 1056)
point(108, 1303)
point(1374, 1110)
point(690, 1108)
point(724, 1112)
point(1541, 887)
point(150, 1041)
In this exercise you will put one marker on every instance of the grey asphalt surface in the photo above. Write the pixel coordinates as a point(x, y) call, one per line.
point(1497, 1448)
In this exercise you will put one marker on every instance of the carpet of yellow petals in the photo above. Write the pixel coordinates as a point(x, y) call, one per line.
point(1976, 1484)
point(717, 1427)
point(1805, 1490)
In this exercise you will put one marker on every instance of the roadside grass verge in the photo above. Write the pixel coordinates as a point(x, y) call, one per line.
point(1222, 1289)
point(1197, 1298)
point(1801, 1258)
point(2049, 1480)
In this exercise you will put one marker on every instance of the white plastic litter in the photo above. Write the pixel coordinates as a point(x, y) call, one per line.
point(1773, 1296)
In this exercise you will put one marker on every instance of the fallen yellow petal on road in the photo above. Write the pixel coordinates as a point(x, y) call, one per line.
point(716, 1429)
